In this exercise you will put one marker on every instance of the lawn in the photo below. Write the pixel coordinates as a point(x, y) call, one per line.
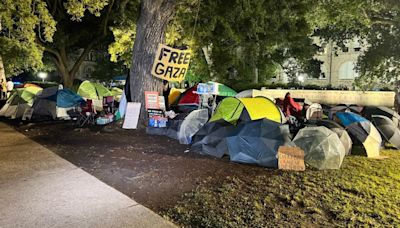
point(363, 192)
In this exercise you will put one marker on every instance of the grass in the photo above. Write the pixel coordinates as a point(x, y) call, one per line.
point(364, 192)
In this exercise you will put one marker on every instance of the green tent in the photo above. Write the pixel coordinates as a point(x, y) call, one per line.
point(232, 109)
point(19, 102)
point(92, 90)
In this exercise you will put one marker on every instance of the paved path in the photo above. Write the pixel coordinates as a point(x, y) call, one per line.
point(40, 189)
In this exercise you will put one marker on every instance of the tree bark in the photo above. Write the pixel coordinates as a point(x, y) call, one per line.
point(150, 31)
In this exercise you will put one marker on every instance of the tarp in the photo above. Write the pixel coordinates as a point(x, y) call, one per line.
point(388, 129)
point(211, 138)
point(322, 147)
point(232, 109)
point(257, 142)
point(340, 131)
point(192, 124)
point(362, 130)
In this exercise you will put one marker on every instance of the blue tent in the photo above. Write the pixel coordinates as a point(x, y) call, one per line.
point(67, 98)
point(119, 78)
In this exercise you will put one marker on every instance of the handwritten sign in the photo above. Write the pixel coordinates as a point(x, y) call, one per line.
point(131, 115)
point(170, 64)
point(291, 158)
point(151, 98)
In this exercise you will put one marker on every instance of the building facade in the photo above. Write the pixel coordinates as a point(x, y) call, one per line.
point(338, 67)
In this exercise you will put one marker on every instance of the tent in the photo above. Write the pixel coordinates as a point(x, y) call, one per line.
point(344, 108)
point(253, 93)
point(116, 93)
point(388, 129)
point(340, 131)
point(174, 95)
point(92, 90)
point(383, 111)
point(363, 131)
point(232, 109)
point(50, 100)
point(192, 124)
point(322, 147)
point(314, 112)
point(257, 142)
point(30, 84)
point(19, 102)
point(211, 138)
point(222, 90)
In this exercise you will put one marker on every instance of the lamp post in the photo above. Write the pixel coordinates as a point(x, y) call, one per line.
point(42, 75)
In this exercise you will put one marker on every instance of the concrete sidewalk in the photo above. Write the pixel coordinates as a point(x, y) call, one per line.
point(40, 189)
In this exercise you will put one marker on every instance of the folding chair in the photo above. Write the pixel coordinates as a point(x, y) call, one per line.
point(108, 104)
point(86, 114)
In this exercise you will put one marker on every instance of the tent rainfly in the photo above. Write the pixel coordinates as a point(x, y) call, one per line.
point(233, 109)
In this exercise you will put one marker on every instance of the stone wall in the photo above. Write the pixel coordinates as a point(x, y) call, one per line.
point(332, 97)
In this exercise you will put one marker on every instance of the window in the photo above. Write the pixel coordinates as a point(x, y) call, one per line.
point(345, 49)
point(357, 49)
point(347, 72)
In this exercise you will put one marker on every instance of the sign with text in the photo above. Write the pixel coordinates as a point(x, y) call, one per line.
point(170, 64)
point(205, 88)
point(291, 158)
point(131, 115)
point(151, 98)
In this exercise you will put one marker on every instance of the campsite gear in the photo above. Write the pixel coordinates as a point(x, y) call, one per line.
point(30, 84)
point(383, 111)
point(103, 120)
point(388, 129)
point(322, 147)
point(245, 109)
point(93, 91)
point(50, 101)
point(108, 104)
point(192, 124)
point(19, 102)
point(222, 90)
point(363, 131)
point(344, 108)
point(340, 131)
point(314, 112)
point(211, 138)
point(86, 114)
point(257, 142)
point(290, 107)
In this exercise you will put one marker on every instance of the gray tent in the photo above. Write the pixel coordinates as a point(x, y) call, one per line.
point(388, 129)
point(340, 131)
point(211, 138)
point(257, 142)
point(322, 147)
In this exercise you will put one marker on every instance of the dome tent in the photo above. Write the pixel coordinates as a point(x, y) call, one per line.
point(232, 109)
point(322, 147)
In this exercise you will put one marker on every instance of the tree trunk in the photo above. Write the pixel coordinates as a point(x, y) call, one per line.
point(150, 31)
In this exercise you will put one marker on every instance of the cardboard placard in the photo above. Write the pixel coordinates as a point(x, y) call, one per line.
point(291, 158)
point(170, 64)
point(151, 98)
point(131, 115)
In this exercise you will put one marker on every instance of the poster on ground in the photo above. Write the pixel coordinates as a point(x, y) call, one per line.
point(170, 64)
point(131, 115)
point(291, 158)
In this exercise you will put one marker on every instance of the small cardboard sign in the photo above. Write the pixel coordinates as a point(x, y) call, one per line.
point(131, 115)
point(170, 64)
point(291, 158)
point(151, 98)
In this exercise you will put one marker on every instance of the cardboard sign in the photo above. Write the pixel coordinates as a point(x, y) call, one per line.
point(151, 98)
point(131, 115)
point(170, 64)
point(291, 158)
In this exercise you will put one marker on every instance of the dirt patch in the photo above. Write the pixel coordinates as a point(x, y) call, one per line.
point(155, 171)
